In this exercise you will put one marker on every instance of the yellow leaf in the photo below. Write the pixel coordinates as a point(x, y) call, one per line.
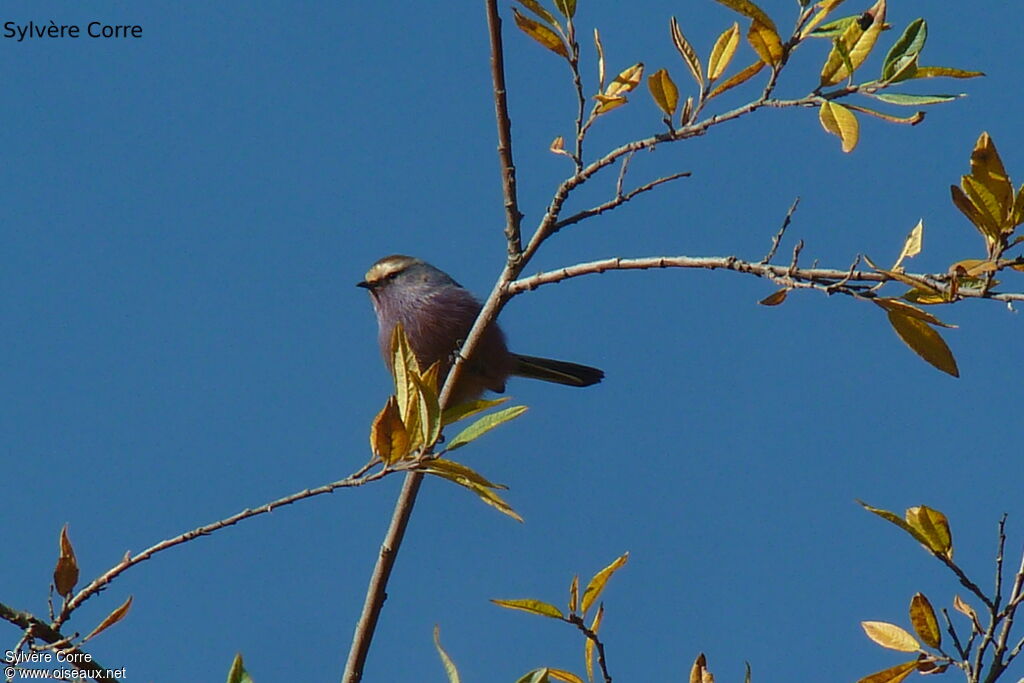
point(541, 33)
point(600, 59)
point(469, 408)
point(893, 674)
point(974, 215)
point(388, 438)
point(539, 10)
point(557, 146)
point(857, 43)
point(897, 306)
point(912, 120)
point(483, 492)
point(924, 341)
point(625, 81)
point(987, 168)
point(563, 675)
point(723, 51)
point(993, 214)
point(664, 92)
point(699, 669)
point(404, 367)
point(775, 298)
point(606, 104)
point(904, 278)
point(840, 121)
point(824, 8)
point(922, 618)
point(687, 114)
point(912, 245)
point(739, 79)
point(65, 574)
point(924, 297)
point(117, 615)
point(588, 649)
point(599, 581)
point(890, 636)
point(574, 594)
point(538, 607)
point(963, 608)
point(766, 43)
point(934, 527)
point(687, 52)
point(1017, 216)
point(749, 9)
point(455, 470)
point(446, 660)
point(973, 267)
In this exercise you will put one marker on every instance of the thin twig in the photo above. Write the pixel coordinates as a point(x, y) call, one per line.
point(782, 231)
point(513, 217)
point(618, 201)
point(36, 629)
point(98, 584)
point(577, 621)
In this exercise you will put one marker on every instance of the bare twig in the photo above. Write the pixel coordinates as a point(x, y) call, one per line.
point(508, 170)
point(616, 202)
point(782, 231)
point(98, 584)
point(36, 629)
point(824, 279)
point(577, 621)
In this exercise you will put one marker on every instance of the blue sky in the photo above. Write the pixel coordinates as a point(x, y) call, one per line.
point(185, 216)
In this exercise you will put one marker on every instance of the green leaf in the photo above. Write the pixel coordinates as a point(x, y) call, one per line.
point(908, 46)
point(544, 609)
point(238, 674)
point(484, 425)
point(906, 100)
point(834, 29)
point(597, 584)
point(449, 665)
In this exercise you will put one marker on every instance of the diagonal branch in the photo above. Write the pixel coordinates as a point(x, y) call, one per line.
point(615, 202)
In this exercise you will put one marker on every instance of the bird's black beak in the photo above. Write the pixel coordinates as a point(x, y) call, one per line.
point(365, 285)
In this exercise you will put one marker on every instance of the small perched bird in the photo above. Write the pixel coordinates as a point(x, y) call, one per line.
point(437, 314)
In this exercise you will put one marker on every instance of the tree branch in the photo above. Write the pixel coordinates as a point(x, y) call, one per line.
point(508, 170)
point(828, 280)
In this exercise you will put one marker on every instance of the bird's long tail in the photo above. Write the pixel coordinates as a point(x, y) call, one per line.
point(557, 371)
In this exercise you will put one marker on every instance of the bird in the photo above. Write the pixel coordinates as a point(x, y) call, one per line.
point(437, 313)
